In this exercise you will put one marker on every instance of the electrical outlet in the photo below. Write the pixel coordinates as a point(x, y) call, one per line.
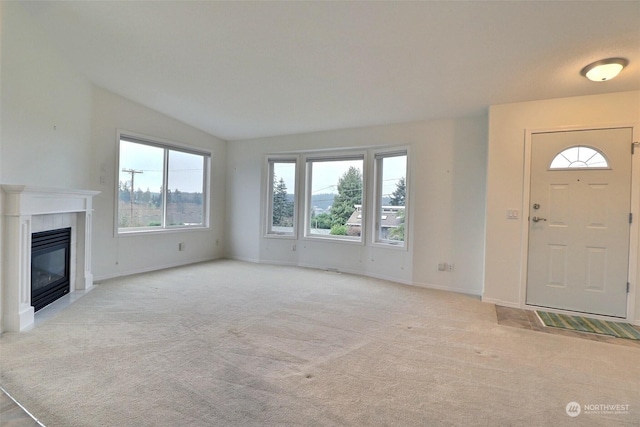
point(181, 246)
point(445, 266)
point(293, 248)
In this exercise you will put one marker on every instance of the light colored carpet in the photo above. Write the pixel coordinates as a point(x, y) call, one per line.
point(228, 343)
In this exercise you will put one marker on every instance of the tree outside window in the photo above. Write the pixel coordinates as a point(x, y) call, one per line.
point(335, 202)
point(282, 174)
point(335, 206)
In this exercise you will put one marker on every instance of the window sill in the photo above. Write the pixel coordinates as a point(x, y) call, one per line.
point(160, 231)
point(321, 238)
point(280, 236)
point(391, 246)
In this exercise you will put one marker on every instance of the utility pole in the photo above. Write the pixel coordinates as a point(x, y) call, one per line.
point(133, 172)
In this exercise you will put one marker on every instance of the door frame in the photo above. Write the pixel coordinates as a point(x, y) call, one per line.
point(634, 232)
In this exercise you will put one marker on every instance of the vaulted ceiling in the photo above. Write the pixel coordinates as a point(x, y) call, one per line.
point(243, 70)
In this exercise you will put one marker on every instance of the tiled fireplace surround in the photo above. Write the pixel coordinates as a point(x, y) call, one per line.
point(28, 210)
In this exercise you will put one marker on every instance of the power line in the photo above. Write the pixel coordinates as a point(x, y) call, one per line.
point(133, 173)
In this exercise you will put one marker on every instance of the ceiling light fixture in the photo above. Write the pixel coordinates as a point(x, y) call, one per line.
point(605, 69)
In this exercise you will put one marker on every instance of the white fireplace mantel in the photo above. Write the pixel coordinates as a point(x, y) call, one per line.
point(20, 204)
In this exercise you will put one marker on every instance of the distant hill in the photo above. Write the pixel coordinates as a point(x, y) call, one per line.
point(325, 200)
point(322, 201)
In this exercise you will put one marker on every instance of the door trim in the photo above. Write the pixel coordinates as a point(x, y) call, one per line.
point(634, 232)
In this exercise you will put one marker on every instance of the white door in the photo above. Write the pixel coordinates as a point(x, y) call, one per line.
point(579, 226)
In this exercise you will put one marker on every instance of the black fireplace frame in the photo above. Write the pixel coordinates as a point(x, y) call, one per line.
point(41, 244)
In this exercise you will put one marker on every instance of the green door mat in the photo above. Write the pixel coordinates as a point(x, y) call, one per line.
point(585, 324)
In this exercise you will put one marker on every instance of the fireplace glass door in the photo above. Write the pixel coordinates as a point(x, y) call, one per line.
point(49, 266)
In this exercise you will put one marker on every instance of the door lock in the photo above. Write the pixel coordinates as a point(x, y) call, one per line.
point(537, 218)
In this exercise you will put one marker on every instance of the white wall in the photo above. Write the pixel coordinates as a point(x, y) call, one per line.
point(136, 253)
point(46, 109)
point(447, 186)
point(505, 180)
point(58, 130)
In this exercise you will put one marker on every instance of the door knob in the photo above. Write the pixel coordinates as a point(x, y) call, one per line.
point(537, 218)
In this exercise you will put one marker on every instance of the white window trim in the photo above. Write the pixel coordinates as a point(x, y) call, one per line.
point(334, 156)
point(166, 144)
point(370, 194)
point(376, 207)
point(268, 233)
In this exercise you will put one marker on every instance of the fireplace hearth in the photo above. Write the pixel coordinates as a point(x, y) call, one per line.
point(50, 272)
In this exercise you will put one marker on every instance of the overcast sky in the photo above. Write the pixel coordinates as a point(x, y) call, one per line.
point(185, 170)
point(327, 174)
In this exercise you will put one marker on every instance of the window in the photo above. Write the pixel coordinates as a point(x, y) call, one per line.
point(579, 157)
point(281, 217)
point(160, 186)
point(335, 197)
point(391, 197)
point(334, 187)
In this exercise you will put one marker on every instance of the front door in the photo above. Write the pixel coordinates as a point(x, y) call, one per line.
point(579, 221)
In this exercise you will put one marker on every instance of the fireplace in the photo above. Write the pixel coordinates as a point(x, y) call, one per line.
point(50, 272)
point(28, 211)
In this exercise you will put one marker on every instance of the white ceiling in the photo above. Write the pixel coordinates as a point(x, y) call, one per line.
point(243, 70)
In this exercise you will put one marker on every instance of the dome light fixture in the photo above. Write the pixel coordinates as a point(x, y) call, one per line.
point(605, 69)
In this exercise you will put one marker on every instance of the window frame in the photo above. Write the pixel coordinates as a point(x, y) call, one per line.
point(378, 158)
point(599, 152)
point(167, 146)
point(308, 160)
point(268, 217)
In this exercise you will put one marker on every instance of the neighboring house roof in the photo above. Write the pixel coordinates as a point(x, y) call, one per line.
point(390, 217)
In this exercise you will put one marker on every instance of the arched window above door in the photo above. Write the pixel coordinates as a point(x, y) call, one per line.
point(579, 157)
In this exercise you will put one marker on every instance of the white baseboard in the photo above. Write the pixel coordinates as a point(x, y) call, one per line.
point(361, 273)
point(239, 258)
point(390, 279)
point(500, 302)
point(149, 269)
point(355, 272)
point(324, 267)
point(446, 288)
point(282, 263)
